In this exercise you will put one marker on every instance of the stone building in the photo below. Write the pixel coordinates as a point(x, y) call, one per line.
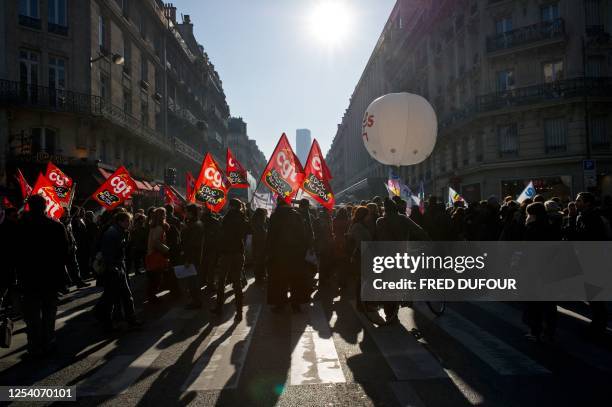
point(102, 83)
point(522, 90)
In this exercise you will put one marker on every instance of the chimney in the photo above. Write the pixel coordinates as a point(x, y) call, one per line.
point(170, 12)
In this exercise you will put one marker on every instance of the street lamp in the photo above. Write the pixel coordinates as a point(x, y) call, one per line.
point(115, 58)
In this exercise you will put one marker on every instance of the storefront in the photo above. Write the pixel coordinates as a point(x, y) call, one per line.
point(558, 186)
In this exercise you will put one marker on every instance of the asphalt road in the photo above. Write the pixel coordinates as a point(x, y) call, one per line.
point(327, 355)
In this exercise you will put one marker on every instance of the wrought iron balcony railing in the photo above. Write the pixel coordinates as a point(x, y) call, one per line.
point(28, 21)
point(558, 90)
point(41, 97)
point(544, 30)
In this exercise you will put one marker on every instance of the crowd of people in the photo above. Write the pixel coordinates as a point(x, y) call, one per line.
point(286, 250)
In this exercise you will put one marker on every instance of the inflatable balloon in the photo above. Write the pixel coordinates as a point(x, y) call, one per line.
point(400, 129)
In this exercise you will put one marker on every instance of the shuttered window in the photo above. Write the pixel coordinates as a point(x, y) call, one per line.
point(555, 131)
point(508, 140)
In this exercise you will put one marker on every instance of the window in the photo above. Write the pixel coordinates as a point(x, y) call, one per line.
point(144, 68)
point(464, 151)
point(104, 87)
point(127, 101)
point(505, 80)
point(29, 15)
point(598, 128)
point(43, 140)
point(555, 132)
point(57, 15)
point(503, 25)
point(508, 140)
point(57, 79)
point(593, 12)
point(28, 67)
point(549, 12)
point(102, 34)
point(594, 66)
point(144, 112)
point(553, 71)
point(127, 54)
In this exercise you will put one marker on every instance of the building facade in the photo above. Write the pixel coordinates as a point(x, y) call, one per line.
point(103, 83)
point(303, 141)
point(245, 149)
point(522, 91)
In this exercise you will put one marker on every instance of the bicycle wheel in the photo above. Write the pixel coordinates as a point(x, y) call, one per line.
point(436, 307)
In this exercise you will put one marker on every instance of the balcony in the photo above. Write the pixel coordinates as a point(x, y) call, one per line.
point(31, 22)
point(531, 34)
point(183, 148)
point(57, 29)
point(185, 114)
point(529, 95)
point(16, 94)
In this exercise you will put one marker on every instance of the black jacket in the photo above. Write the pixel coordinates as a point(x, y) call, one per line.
point(287, 236)
point(192, 239)
point(43, 253)
point(235, 227)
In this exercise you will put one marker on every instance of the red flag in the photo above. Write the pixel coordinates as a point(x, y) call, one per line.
point(45, 188)
point(6, 203)
point(26, 189)
point(235, 172)
point(172, 199)
point(211, 186)
point(61, 182)
point(115, 190)
point(284, 173)
point(190, 187)
point(316, 178)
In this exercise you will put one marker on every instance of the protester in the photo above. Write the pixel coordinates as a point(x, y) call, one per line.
point(117, 291)
point(157, 252)
point(9, 229)
point(235, 227)
point(192, 244)
point(259, 228)
point(42, 275)
point(286, 247)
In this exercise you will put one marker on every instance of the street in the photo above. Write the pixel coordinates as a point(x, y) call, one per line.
point(327, 355)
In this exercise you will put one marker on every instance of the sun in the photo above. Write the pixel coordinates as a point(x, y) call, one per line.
point(330, 21)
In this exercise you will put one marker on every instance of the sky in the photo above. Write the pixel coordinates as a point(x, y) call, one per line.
point(288, 64)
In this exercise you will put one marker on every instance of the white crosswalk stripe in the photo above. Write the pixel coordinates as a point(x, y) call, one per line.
point(500, 356)
point(221, 362)
point(314, 359)
point(567, 340)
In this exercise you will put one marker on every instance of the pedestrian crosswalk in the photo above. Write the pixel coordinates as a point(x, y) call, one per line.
point(316, 355)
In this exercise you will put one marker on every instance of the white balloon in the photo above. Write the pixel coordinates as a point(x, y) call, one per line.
point(400, 129)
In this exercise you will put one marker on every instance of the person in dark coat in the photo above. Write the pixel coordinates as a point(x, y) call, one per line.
point(436, 221)
point(286, 248)
point(324, 244)
point(393, 226)
point(235, 228)
point(9, 229)
point(74, 271)
point(259, 229)
point(540, 316)
point(591, 226)
point(212, 234)
point(117, 291)
point(192, 241)
point(43, 255)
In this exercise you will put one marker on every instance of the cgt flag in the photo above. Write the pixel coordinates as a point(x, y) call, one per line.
point(61, 182)
point(190, 187)
point(284, 173)
point(46, 189)
point(171, 198)
point(235, 172)
point(211, 186)
point(116, 190)
point(26, 189)
point(316, 178)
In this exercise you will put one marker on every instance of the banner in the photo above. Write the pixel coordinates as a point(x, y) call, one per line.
point(264, 200)
point(26, 189)
point(211, 186)
point(190, 187)
point(45, 188)
point(421, 198)
point(284, 173)
point(316, 178)
point(235, 172)
point(453, 196)
point(393, 184)
point(61, 182)
point(115, 190)
point(528, 193)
